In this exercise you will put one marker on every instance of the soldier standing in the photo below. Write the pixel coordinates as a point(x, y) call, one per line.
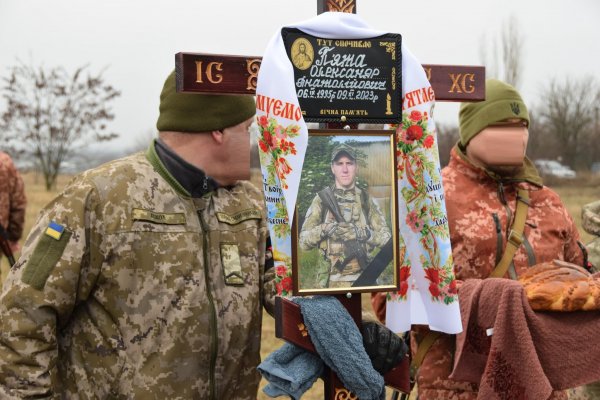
point(144, 278)
point(501, 218)
point(346, 225)
point(12, 204)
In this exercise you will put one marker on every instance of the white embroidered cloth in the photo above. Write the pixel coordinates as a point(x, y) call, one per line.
point(427, 290)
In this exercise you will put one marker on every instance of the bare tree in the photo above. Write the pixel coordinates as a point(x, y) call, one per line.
point(541, 143)
point(50, 113)
point(569, 111)
point(503, 56)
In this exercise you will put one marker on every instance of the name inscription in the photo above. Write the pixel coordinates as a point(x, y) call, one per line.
point(355, 79)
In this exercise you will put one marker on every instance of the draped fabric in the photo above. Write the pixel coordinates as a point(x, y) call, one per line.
point(427, 292)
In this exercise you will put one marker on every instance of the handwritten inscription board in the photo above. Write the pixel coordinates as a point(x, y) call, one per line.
point(228, 74)
point(349, 80)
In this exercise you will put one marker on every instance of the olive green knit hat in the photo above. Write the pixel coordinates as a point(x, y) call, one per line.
point(191, 112)
point(502, 102)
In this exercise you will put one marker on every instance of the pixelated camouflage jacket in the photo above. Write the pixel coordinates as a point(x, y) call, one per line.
point(351, 206)
point(147, 294)
point(12, 198)
point(590, 214)
point(475, 215)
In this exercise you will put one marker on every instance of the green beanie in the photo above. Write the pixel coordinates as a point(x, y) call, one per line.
point(502, 102)
point(192, 112)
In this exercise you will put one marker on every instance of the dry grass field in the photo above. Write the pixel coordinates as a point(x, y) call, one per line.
point(574, 195)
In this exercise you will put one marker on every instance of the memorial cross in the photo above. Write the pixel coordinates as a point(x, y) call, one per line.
point(230, 74)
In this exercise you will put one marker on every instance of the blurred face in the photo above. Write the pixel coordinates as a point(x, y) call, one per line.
point(344, 170)
point(500, 147)
point(236, 148)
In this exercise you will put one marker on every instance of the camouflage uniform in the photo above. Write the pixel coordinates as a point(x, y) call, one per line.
point(478, 220)
point(12, 198)
point(591, 223)
point(147, 294)
point(372, 229)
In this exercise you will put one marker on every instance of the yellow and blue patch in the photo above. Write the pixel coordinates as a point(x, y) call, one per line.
point(55, 230)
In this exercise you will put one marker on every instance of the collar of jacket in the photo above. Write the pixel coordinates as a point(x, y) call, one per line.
point(526, 174)
point(177, 172)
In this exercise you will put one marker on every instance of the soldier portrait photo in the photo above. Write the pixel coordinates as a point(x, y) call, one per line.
point(349, 219)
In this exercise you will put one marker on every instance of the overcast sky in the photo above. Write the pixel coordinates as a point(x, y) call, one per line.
point(136, 40)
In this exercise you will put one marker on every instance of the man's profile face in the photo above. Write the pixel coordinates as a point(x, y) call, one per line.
point(236, 141)
point(344, 170)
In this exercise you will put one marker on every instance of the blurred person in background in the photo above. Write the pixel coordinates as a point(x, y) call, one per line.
point(12, 207)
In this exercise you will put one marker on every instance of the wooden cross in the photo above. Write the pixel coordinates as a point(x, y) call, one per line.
point(229, 74)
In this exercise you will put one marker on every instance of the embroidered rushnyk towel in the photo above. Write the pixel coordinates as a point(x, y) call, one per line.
point(427, 292)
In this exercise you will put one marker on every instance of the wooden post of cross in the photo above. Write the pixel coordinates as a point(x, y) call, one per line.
point(230, 74)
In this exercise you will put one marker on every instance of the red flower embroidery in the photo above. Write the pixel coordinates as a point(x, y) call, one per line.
point(414, 222)
point(414, 132)
point(428, 142)
point(263, 146)
point(263, 121)
point(268, 139)
point(452, 288)
point(286, 284)
point(283, 167)
point(415, 116)
point(404, 273)
point(281, 270)
point(433, 275)
point(434, 290)
point(403, 288)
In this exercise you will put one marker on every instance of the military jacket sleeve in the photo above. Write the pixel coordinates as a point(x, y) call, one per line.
point(53, 274)
point(573, 252)
point(380, 232)
point(312, 232)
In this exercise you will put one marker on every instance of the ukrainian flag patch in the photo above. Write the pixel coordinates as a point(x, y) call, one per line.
point(55, 230)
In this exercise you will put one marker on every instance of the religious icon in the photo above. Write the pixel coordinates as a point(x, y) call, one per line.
point(302, 54)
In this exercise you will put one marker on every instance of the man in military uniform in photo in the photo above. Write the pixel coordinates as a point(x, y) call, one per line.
point(345, 223)
point(145, 277)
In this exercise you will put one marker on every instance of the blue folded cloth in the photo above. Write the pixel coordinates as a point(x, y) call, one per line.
point(338, 342)
point(291, 371)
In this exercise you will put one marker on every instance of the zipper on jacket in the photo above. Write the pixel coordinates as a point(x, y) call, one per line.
point(213, 312)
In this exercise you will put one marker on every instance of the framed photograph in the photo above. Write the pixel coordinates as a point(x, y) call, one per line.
point(344, 233)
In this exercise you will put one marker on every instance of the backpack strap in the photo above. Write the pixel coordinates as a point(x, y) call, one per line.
point(422, 349)
point(515, 236)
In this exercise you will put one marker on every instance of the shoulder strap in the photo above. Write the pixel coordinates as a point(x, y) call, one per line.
point(515, 237)
point(422, 349)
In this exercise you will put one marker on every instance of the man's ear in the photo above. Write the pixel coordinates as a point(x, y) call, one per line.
point(217, 136)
